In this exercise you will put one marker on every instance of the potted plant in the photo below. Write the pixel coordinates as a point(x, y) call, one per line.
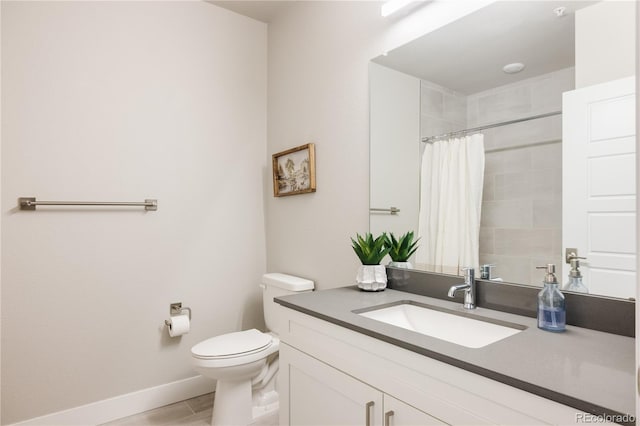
point(371, 275)
point(401, 249)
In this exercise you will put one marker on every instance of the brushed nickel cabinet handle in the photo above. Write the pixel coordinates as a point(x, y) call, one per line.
point(368, 407)
point(387, 417)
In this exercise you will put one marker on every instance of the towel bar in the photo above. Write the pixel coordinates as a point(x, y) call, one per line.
point(30, 203)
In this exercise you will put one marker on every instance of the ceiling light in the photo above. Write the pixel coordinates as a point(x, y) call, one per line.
point(393, 6)
point(513, 68)
point(560, 11)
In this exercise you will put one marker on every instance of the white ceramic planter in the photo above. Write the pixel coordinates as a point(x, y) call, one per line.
point(372, 277)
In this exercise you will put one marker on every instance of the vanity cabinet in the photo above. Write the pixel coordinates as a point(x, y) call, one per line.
point(332, 375)
point(397, 413)
point(319, 394)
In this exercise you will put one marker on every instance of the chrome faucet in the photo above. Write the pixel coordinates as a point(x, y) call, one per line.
point(469, 287)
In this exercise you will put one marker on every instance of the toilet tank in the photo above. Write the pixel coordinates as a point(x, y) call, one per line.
point(275, 285)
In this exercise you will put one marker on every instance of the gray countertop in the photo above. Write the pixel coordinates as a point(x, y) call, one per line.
point(589, 370)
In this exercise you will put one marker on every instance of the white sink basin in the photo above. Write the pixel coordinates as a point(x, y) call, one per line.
point(454, 327)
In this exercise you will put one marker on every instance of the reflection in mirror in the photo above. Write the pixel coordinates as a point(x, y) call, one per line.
point(503, 170)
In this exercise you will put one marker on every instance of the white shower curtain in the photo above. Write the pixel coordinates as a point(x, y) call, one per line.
point(451, 180)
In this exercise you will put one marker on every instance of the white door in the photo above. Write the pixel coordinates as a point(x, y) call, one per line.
point(598, 185)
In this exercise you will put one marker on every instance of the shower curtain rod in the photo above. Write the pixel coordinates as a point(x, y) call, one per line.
point(489, 126)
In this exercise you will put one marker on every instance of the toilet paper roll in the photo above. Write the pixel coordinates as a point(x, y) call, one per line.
point(178, 325)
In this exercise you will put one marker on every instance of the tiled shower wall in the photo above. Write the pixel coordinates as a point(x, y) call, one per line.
point(442, 110)
point(521, 225)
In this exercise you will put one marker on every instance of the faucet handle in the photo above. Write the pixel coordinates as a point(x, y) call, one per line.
point(486, 271)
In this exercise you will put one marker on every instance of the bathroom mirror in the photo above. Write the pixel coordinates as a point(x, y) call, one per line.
point(537, 202)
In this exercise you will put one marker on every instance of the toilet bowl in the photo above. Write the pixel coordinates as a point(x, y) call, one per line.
point(245, 363)
point(235, 360)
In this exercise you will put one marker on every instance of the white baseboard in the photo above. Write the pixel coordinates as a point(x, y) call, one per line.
point(125, 405)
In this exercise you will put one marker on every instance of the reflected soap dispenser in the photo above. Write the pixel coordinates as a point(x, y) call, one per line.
point(575, 278)
point(551, 304)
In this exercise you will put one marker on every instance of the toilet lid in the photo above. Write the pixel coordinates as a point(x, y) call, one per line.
point(232, 344)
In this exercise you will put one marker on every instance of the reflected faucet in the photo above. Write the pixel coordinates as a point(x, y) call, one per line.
point(469, 287)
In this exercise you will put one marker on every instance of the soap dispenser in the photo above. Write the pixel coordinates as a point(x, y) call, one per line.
point(575, 278)
point(551, 303)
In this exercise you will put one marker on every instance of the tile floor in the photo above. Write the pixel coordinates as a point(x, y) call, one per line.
point(192, 412)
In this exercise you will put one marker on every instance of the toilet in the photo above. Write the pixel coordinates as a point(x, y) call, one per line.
point(245, 363)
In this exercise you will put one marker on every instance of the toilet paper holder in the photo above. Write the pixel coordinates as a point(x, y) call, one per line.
point(177, 309)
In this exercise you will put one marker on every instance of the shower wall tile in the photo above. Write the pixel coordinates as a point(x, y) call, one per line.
point(557, 243)
point(546, 214)
point(436, 126)
point(488, 189)
point(513, 214)
point(455, 109)
point(522, 134)
point(432, 102)
point(544, 96)
point(532, 96)
point(486, 241)
point(472, 114)
point(521, 224)
point(512, 242)
point(547, 92)
point(547, 157)
point(547, 185)
point(512, 186)
point(523, 242)
point(442, 110)
point(516, 160)
point(514, 269)
point(503, 105)
point(492, 163)
point(508, 161)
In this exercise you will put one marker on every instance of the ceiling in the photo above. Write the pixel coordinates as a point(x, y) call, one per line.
point(265, 10)
point(468, 55)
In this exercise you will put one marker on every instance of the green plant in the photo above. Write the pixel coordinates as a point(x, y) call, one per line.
point(370, 251)
point(401, 249)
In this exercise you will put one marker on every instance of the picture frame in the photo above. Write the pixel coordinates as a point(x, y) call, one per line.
point(294, 171)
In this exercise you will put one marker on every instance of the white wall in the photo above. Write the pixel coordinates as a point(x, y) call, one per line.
point(605, 42)
point(395, 150)
point(318, 92)
point(637, 322)
point(123, 101)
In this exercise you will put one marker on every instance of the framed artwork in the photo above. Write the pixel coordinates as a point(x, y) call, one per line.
point(294, 171)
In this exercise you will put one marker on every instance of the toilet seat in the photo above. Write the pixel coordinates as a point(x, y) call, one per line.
point(235, 348)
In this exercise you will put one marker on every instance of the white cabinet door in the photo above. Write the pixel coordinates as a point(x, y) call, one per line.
point(319, 395)
point(598, 184)
point(397, 413)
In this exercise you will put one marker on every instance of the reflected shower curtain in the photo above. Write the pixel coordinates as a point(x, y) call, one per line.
point(451, 181)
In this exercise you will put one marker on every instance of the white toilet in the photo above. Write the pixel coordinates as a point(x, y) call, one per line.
point(245, 363)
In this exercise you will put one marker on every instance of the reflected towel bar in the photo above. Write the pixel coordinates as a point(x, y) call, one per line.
point(30, 203)
point(392, 210)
